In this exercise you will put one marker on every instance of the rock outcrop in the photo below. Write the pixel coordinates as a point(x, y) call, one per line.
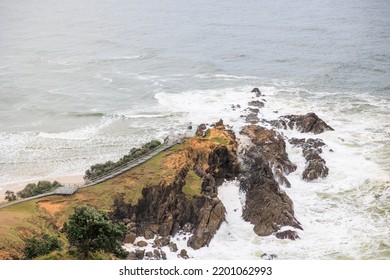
point(303, 123)
point(273, 149)
point(256, 103)
point(315, 165)
point(267, 207)
point(257, 91)
point(164, 209)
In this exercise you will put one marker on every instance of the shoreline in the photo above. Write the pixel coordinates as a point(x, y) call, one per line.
point(16, 187)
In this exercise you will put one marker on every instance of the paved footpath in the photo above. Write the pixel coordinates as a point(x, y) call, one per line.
point(71, 189)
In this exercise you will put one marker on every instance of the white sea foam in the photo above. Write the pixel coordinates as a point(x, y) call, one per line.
point(80, 133)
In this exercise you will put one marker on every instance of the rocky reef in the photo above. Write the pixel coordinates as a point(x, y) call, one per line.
point(265, 165)
point(267, 206)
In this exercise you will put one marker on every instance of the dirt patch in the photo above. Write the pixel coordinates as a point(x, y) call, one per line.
point(51, 207)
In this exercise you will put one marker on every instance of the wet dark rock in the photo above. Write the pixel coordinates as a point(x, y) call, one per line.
point(252, 118)
point(234, 107)
point(163, 255)
point(272, 146)
point(172, 246)
point(269, 257)
point(287, 234)
point(315, 169)
point(297, 141)
point(267, 207)
point(219, 125)
point(142, 243)
point(149, 234)
point(257, 91)
point(315, 165)
point(156, 254)
point(256, 103)
point(183, 254)
point(223, 165)
point(132, 256)
point(163, 241)
point(211, 216)
point(187, 227)
point(209, 185)
point(139, 254)
point(200, 131)
point(281, 179)
point(130, 238)
point(303, 123)
point(253, 110)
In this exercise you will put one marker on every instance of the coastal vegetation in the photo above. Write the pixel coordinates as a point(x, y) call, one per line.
point(100, 169)
point(41, 187)
point(43, 245)
point(91, 230)
point(10, 195)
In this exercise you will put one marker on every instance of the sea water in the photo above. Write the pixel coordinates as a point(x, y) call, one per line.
point(83, 82)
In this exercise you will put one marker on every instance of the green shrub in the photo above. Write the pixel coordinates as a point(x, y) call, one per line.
point(36, 189)
point(103, 168)
point(43, 245)
point(10, 195)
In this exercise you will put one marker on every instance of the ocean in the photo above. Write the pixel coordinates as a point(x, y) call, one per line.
point(83, 82)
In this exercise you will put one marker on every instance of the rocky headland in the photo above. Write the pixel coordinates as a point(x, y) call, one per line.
point(176, 192)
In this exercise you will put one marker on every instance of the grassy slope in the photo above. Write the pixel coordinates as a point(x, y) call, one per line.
point(48, 214)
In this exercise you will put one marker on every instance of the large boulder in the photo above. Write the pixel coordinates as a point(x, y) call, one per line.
point(256, 103)
point(256, 91)
point(303, 123)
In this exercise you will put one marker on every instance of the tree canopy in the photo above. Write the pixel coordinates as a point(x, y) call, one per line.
point(90, 230)
point(103, 168)
point(36, 189)
point(10, 195)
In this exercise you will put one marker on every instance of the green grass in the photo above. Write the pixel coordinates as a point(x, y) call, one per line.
point(219, 140)
point(193, 184)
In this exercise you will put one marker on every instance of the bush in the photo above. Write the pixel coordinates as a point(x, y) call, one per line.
point(100, 169)
point(10, 195)
point(36, 189)
point(90, 230)
point(44, 245)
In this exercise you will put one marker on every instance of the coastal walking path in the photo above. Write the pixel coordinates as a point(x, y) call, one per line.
point(71, 189)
